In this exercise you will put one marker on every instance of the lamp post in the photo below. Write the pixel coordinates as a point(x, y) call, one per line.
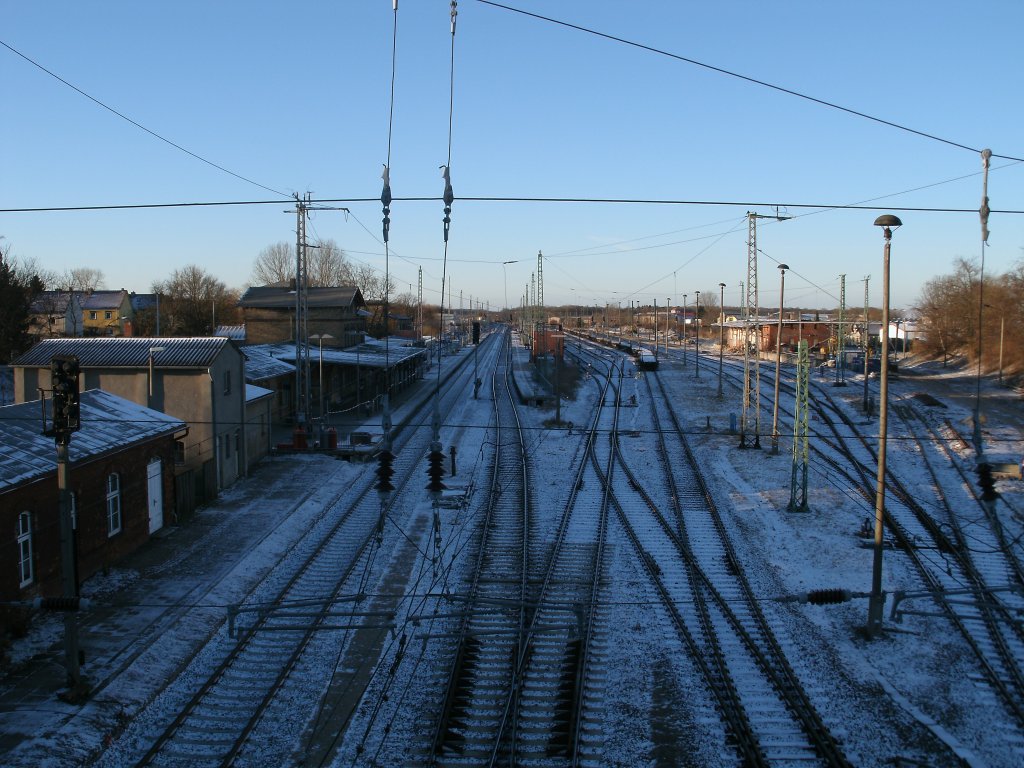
point(778, 361)
point(876, 601)
point(696, 346)
point(152, 351)
point(504, 273)
point(320, 340)
point(721, 335)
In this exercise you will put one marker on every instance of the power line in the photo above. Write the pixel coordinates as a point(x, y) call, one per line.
point(497, 199)
point(139, 125)
point(746, 78)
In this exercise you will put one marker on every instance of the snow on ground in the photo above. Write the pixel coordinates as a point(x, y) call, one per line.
point(910, 694)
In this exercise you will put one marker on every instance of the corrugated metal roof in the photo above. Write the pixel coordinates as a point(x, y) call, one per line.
point(234, 332)
point(133, 352)
point(108, 423)
point(282, 298)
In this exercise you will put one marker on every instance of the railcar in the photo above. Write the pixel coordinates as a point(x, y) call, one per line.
point(646, 360)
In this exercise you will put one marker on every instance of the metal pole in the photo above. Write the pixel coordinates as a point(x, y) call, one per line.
point(867, 345)
point(696, 346)
point(778, 361)
point(67, 559)
point(668, 307)
point(876, 602)
point(1002, 325)
point(685, 339)
point(721, 335)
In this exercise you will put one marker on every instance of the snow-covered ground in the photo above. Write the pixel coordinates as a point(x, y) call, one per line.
point(912, 694)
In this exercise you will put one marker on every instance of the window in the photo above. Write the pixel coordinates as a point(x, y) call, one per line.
point(92, 315)
point(227, 382)
point(227, 446)
point(107, 315)
point(113, 504)
point(179, 451)
point(25, 574)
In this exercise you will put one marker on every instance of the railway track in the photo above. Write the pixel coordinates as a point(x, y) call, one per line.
point(513, 687)
point(315, 593)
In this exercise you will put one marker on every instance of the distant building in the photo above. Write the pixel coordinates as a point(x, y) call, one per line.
point(56, 313)
point(106, 313)
point(198, 380)
point(269, 313)
point(121, 482)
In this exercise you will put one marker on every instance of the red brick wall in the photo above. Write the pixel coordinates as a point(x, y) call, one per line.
point(96, 549)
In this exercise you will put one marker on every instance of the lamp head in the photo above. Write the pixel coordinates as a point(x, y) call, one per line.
point(783, 267)
point(888, 222)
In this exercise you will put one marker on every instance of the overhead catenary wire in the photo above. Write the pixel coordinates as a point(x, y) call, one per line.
point(517, 199)
point(737, 75)
point(140, 126)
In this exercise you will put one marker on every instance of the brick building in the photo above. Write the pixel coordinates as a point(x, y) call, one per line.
point(269, 313)
point(122, 489)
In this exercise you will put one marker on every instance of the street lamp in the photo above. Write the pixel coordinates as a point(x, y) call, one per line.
point(876, 601)
point(152, 351)
point(696, 346)
point(320, 339)
point(721, 335)
point(778, 361)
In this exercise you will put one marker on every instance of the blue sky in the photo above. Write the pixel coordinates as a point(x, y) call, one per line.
point(296, 98)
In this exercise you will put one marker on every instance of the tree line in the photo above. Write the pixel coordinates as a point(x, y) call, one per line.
point(953, 308)
point(192, 301)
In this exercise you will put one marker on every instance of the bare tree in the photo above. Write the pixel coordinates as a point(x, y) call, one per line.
point(275, 264)
point(195, 302)
point(327, 265)
point(82, 279)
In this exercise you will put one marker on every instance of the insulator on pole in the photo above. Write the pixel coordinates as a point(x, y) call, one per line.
point(385, 471)
point(435, 469)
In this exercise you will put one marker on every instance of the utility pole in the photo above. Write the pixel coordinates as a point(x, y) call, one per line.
point(841, 336)
point(302, 384)
point(866, 344)
point(419, 306)
point(752, 335)
point(798, 485)
point(721, 335)
point(696, 347)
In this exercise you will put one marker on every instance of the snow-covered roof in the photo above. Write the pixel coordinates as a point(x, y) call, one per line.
point(133, 352)
point(369, 354)
point(109, 424)
point(261, 364)
point(254, 393)
point(234, 332)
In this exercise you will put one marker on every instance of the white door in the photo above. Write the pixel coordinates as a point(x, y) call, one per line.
point(155, 485)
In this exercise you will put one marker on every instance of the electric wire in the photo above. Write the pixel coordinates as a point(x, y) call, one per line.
point(729, 73)
point(140, 126)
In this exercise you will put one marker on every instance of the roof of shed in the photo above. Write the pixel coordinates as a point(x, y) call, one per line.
point(109, 424)
point(132, 352)
point(276, 297)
